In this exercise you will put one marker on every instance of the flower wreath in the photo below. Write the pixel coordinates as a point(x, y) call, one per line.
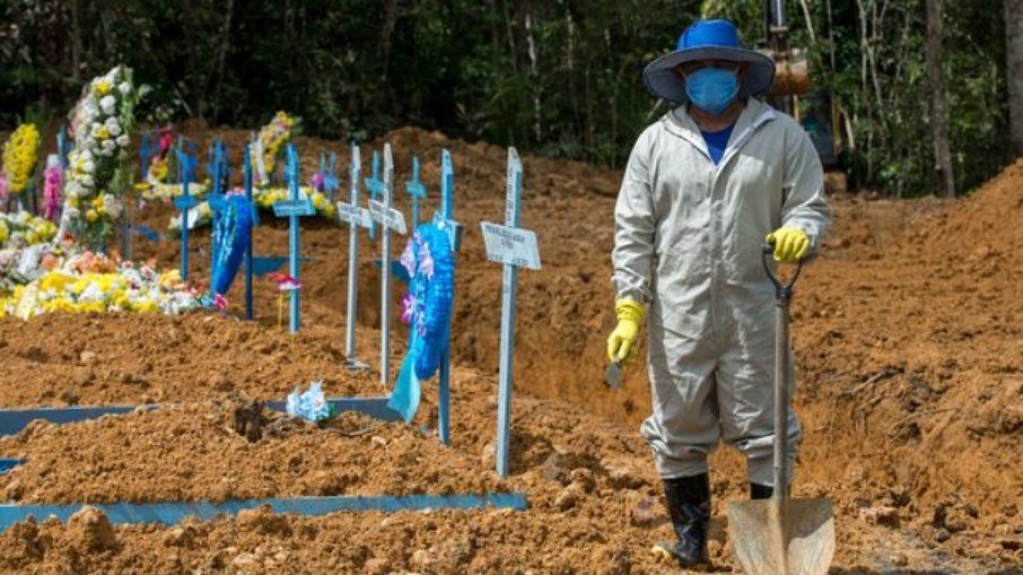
point(20, 154)
point(426, 306)
point(234, 232)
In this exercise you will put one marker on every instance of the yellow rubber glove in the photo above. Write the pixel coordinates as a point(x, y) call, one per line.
point(790, 244)
point(621, 344)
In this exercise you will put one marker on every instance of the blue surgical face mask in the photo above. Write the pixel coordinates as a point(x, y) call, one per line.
point(712, 89)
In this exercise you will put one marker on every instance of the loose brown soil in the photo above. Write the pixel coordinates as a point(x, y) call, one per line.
point(909, 339)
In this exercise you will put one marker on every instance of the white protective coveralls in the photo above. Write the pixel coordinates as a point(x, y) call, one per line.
point(688, 242)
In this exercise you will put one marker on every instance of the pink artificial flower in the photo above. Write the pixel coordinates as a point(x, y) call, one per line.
point(53, 183)
point(318, 182)
point(408, 259)
point(285, 282)
point(220, 302)
point(425, 260)
point(408, 307)
point(166, 139)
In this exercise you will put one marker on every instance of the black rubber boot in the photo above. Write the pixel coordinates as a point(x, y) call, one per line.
point(759, 491)
point(688, 500)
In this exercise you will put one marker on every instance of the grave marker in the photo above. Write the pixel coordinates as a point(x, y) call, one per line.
point(247, 182)
point(376, 188)
point(293, 208)
point(417, 190)
point(513, 247)
point(389, 219)
point(331, 183)
point(145, 152)
point(184, 204)
point(63, 146)
point(357, 217)
point(447, 223)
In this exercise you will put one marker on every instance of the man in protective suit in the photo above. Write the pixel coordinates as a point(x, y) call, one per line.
point(706, 185)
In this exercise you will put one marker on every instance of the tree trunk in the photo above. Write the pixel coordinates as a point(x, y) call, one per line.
point(939, 123)
point(1014, 72)
point(76, 44)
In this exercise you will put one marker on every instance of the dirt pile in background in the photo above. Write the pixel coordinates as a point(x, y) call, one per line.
point(908, 339)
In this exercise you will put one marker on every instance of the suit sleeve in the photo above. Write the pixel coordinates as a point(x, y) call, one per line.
point(635, 226)
point(805, 205)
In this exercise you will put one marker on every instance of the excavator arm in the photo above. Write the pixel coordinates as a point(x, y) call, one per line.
point(792, 85)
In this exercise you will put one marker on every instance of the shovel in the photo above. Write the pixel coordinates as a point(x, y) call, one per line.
point(780, 535)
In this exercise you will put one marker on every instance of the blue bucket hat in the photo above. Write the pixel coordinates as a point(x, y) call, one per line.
point(707, 40)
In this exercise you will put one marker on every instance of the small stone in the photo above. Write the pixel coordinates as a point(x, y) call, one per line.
point(583, 478)
point(246, 561)
point(422, 558)
point(880, 515)
point(69, 397)
point(377, 566)
point(85, 378)
point(177, 537)
point(488, 455)
point(715, 548)
point(15, 490)
point(87, 357)
point(377, 440)
point(568, 498)
point(645, 511)
point(625, 477)
point(900, 560)
point(91, 529)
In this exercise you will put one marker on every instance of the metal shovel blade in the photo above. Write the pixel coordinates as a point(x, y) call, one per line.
point(783, 536)
point(613, 375)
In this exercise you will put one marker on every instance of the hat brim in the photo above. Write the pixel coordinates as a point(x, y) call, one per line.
point(663, 81)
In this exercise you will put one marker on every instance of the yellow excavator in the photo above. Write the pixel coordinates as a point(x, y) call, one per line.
point(793, 93)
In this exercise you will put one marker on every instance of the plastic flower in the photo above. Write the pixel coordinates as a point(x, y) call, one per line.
point(98, 163)
point(285, 282)
point(19, 157)
point(93, 283)
point(271, 139)
point(22, 229)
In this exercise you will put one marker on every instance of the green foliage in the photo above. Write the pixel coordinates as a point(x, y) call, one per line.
point(871, 55)
point(559, 77)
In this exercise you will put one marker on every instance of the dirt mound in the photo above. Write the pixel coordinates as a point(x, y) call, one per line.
point(909, 350)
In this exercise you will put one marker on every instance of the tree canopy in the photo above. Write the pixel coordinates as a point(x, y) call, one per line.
point(558, 77)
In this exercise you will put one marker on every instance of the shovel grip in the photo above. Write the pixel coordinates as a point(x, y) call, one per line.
point(783, 289)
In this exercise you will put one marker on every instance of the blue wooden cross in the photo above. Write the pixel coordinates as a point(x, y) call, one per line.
point(447, 189)
point(145, 152)
point(446, 221)
point(293, 208)
point(219, 171)
point(376, 188)
point(416, 190)
point(513, 247)
point(190, 158)
point(512, 211)
point(247, 175)
point(63, 146)
point(331, 183)
point(211, 159)
point(184, 203)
